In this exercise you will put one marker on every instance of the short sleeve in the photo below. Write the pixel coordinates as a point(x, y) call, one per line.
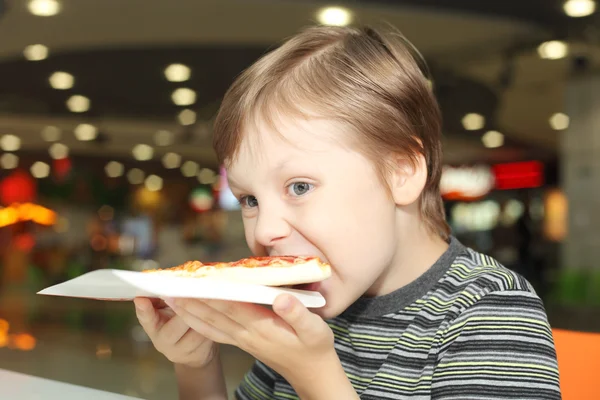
point(258, 384)
point(500, 347)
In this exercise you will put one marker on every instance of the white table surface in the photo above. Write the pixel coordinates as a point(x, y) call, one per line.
point(25, 387)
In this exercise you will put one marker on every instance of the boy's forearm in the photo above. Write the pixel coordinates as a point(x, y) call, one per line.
point(207, 383)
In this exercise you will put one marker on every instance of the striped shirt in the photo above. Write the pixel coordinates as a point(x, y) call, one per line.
point(468, 328)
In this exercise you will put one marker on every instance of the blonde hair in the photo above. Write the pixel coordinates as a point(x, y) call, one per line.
point(371, 82)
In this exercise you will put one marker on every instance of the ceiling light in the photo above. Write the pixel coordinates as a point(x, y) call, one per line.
point(335, 16)
point(493, 139)
point(183, 97)
point(61, 80)
point(164, 138)
point(86, 132)
point(171, 160)
point(36, 52)
point(553, 50)
point(10, 143)
point(187, 117)
point(189, 169)
point(51, 133)
point(153, 183)
point(177, 73)
point(473, 121)
point(78, 104)
point(142, 152)
point(58, 151)
point(135, 176)
point(579, 8)
point(207, 177)
point(40, 170)
point(44, 8)
point(9, 161)
point(559, 121)
point(114, 169)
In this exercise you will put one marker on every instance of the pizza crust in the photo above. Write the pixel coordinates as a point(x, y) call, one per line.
point(294, 274)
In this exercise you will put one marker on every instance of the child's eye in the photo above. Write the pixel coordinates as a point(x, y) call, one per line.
point(248, 201)
point(299, 188)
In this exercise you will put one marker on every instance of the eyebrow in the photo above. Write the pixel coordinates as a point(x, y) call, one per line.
point(279, 167)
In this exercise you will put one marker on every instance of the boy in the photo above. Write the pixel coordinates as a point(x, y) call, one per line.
point(332, 145)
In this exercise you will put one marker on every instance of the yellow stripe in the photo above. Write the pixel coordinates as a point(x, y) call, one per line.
point(465, 268)
point(479, 269)
point(407, 388)
point(482, 269)
point(434, 308)
point(441, 302)
point(384, 339)
point(513, 328)
point(358, 378)
point(256, 389)
point(358, 387)
point(472, 275)
point(511, 319)
point(506, 327)
point(399, 379)
point(287, 396)
point(495, 364)
point(337, 328)
point(463, 302)
point(451, 338)
point(373, 346)
point(378, 338)
point(422, 338)
point(364, 345)
point(343, 338)
point(485, 371)
point(471, 296)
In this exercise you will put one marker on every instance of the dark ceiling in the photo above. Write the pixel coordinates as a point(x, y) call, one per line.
point(124, 83)
point(128, 82)
point(548, 13)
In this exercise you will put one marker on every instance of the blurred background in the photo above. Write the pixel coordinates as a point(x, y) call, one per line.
point(106, 112)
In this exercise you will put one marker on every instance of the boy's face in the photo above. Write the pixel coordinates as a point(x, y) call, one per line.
point(310, 194)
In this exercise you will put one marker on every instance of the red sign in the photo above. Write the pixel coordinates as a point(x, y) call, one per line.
point(519, 175)
point(19, 187)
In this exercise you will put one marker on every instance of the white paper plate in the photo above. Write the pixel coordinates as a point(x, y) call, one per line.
point(111, 284)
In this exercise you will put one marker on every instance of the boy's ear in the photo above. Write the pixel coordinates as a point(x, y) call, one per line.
point(408, 179)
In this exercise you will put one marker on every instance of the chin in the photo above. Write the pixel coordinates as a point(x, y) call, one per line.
point(325, 312)
point(331, 310)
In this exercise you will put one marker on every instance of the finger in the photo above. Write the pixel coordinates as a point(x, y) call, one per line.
point(291, 310)
point(158, 303)
point(248, 315)
point(206, 321)
point(190, 341)
point(257, 320)
point(147, 316)
point(173, 330)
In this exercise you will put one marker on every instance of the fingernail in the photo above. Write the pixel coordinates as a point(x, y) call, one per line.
point(138, 307)
point(284, 304)
point(170, 302)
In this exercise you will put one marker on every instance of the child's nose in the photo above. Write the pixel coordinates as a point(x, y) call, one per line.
point(271, 227)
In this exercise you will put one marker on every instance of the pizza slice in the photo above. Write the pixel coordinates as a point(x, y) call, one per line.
point(268, 271)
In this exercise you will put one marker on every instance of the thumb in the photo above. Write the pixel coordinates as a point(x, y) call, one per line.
point(306, 324)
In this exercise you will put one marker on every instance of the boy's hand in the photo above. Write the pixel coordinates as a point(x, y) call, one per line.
point(172, 336)
point(296, 343)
